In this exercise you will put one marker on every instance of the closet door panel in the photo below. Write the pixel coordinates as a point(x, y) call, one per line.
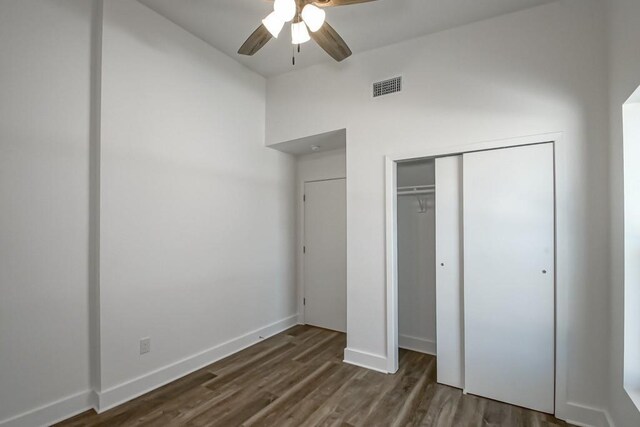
point(449, 271)
point(509, 287)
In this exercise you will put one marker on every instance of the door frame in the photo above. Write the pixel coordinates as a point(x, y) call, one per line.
point(303, 243)
point(561, 252)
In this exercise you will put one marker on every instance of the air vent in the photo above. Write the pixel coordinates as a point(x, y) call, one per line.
point(386, 87)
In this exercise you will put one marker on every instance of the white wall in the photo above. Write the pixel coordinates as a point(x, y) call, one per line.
point(416, 261)
point(533, 72)
point(197, 236)
point(45, 88)
point(624, 61)
point(313, 167)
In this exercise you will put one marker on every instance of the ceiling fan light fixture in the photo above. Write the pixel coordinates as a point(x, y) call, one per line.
point(273, 23)
point(299, 33)
point(314, 17)
point(285, 9)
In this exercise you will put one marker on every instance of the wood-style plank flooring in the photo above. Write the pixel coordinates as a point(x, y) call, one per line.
point(297, 378)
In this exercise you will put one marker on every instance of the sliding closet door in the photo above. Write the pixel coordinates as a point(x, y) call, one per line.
point(509, 294)
point(449, 271)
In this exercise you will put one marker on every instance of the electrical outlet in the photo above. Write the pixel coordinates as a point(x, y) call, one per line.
point(145, 345)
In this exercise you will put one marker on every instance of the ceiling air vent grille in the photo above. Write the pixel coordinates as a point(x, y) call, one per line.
point(386, 87)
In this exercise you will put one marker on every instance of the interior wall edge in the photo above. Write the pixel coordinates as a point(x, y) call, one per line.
point(127, 391)
point(94, 195)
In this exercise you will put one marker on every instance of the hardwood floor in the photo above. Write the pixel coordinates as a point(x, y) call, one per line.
point(297, 378)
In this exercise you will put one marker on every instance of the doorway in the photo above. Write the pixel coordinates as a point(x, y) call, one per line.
point(325, 254)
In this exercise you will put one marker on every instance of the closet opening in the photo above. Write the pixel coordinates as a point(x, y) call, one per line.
point(471, 269)
point(416, 256)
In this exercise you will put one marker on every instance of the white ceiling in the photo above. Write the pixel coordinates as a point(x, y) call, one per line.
point(225, 24)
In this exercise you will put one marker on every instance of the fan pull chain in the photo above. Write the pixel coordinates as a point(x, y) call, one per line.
point(293, 55)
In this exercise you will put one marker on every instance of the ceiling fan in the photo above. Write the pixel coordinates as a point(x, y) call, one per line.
point(307, 15)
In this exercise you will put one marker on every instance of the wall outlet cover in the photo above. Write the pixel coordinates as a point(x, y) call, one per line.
point(145, 345)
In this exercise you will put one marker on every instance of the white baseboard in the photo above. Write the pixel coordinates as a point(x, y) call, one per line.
point(365, 360)
point(574, 413)
point(53, 412)
point(129, 390)
point(586, 416)
point(72, 405)
point(420, 345)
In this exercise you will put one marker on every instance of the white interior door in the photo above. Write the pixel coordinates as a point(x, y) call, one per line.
point(509, 286)
point(449, 318)
point(325, 257)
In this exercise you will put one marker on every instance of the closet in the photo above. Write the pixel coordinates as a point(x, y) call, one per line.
point(494, 272)
point(416, 256)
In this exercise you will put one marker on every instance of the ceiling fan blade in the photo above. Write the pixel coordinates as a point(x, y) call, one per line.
point(256, 41)
point(329, 39)
point(331, 3)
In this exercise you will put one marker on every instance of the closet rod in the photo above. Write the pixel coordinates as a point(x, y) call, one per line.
point(417, 187)
point(415, 193)
point(416, 190)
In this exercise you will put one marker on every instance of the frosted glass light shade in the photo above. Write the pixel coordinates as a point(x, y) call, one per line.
point(314, 17)
point(285, 9)
point(299, 33)
point(273, 23)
